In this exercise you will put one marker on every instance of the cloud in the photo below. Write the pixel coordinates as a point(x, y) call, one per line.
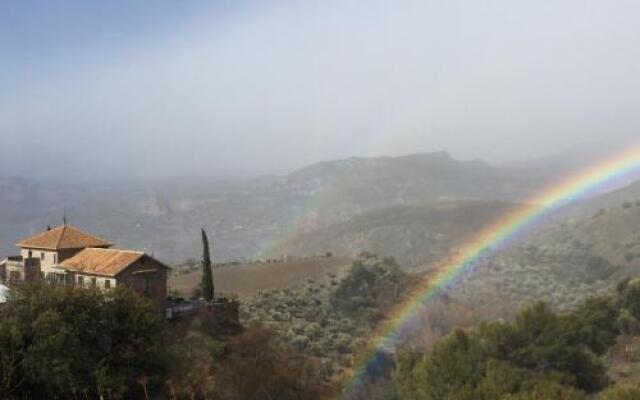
point(270, 86)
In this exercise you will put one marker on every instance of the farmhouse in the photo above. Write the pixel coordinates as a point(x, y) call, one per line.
point(68, 256)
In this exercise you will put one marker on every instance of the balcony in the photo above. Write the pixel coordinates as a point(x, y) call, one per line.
point(14, 261)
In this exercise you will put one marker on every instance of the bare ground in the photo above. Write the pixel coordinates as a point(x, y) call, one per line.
point(248, 279)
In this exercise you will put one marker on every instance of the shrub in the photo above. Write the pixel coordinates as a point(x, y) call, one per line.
point(300, 342)
point(628, 293)
point(621, 392)
point(257, 368)
point(548, 391)
point(627, 323)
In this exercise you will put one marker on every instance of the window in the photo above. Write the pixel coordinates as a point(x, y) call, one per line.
point(93, 282)
point(147, 286)
point(29, 254)
point(107, 283)
point(14, 276)
point(81, 281)
point(42, 256)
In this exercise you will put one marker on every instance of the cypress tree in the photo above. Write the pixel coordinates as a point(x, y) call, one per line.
point(207, 277)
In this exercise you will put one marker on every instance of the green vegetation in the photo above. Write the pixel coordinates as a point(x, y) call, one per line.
point(539, 355)
point(621, 392)
point(65, 343)
point(252, 365)
point(82, 343)
point(86, 344)
point(331, 321)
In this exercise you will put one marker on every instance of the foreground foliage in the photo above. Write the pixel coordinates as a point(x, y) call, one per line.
point(87, 344)
point(539, 355)
point(65, 343)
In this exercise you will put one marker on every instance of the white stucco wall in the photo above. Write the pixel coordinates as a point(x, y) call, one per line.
point(3, 293)
point(48, 259)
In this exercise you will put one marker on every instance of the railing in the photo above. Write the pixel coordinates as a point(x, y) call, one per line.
point(176, 307)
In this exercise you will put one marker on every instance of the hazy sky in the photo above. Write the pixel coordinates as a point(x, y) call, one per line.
point(155, 88)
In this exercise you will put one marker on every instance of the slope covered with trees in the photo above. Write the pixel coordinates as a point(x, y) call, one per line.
point(540, 354)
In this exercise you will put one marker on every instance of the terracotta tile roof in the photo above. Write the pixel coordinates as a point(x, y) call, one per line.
point(106, 262)
point(62, 237)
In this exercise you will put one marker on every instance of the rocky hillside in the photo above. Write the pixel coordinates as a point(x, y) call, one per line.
point(584, 249)
point(415, 235)
point(568, 258)
point(244, 218)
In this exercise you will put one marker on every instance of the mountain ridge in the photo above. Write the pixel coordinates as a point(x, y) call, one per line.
point(244, 217)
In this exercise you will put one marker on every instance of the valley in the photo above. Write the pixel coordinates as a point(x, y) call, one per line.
point(319, 257)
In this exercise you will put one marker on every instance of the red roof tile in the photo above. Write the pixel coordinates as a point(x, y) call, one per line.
point(63, 237)
point(107, 262)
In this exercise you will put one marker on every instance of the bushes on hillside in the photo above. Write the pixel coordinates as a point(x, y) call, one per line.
point(538, 355)
point(370, 287)
point(621, 392)
point(331, 322)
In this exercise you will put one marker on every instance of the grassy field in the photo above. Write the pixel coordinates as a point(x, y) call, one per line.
point(248, 279)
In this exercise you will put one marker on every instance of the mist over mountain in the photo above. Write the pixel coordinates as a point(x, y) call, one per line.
point(246, 217)
point(417, 236)
point(251, 217)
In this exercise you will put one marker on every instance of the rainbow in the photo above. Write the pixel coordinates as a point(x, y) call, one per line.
point(608, 174)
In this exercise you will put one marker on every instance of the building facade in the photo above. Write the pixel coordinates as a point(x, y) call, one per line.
point(68, 256)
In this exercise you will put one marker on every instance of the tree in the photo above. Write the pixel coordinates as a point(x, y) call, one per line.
point(539, 355)
point(193, 369)
point(368, 289)
point(452, 369)
point(543, 341)
point(257, 367)
point(596, 323)
point(66, 343)
point(207, 276)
